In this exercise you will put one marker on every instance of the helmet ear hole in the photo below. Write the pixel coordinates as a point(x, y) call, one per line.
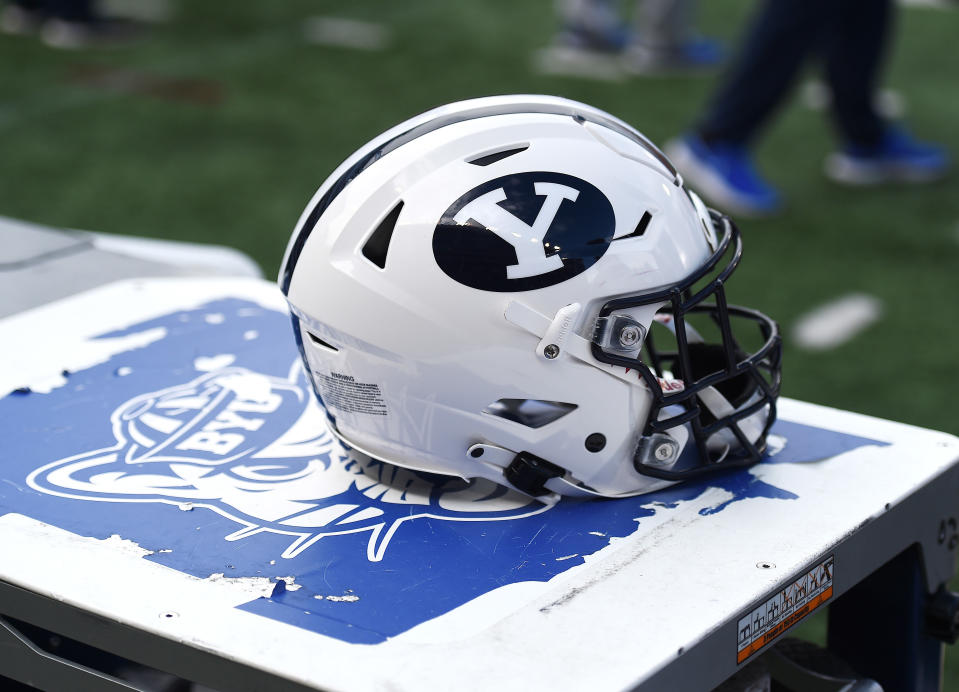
point(532, 413)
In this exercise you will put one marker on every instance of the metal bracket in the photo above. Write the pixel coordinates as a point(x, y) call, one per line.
point(658, 450)
point(25, 662)
point(620, 334)
point(800, 665)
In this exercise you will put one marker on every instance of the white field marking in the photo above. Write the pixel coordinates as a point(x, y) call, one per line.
point(934, 4)
point(836, 322)
point(816, 96)
point(140, 10)
point(570, 62)
point(346, 33)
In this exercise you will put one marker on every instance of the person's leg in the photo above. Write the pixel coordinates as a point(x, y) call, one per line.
point(715, 157)
point(20, 17)
point(853, 49)
point(780, 38)
point(71, 10)
point(663, 24)
point(666, 40)
point(592, 25)
point(873, 150)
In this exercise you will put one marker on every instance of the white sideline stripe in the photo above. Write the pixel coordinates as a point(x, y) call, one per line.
point(346, 33)
point(836, 322)
point(816, 96)
point(934, 4)
point(141, 10)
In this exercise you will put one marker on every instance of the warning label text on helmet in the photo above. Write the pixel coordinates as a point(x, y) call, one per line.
point(343, 392)
point(783, 609)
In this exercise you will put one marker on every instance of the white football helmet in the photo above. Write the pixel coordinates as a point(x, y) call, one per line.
point(476, 292)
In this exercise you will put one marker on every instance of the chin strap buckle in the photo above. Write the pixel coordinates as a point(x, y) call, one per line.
point(529, 473)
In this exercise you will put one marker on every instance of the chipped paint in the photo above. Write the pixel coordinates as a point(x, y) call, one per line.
point(47, 373)
point(124, 545)
point(349, 598)
point(209, 364)
point(290, 582)
point(64, 337)
point(257, 587)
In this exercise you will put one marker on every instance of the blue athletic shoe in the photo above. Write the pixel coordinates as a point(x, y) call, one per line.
point(899, 158)
point(702, 52)
point(725, 175)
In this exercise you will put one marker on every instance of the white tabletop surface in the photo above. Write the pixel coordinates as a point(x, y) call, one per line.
point(164, 464)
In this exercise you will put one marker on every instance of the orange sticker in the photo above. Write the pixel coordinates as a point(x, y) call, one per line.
point(789, 605)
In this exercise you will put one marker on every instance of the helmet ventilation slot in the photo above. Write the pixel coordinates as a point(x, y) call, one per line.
point(487, 159)
point(378, 244)
point(319, 342)
point(532, 413)
point(640, 227)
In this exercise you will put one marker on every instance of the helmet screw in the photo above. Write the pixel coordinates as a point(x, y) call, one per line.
point(630, 335)
point(551, 351)
point(663, 452)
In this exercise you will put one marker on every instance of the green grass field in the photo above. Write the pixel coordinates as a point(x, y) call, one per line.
point(221, 123)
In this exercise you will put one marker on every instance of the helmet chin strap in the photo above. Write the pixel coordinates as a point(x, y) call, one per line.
point(498, 458)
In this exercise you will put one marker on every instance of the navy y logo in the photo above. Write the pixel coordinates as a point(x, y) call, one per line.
point(523, 231)
point(531, 255)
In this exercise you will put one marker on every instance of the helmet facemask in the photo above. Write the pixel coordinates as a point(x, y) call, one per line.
point(724, 394)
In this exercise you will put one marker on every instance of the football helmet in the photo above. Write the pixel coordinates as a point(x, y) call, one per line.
point(521, 288)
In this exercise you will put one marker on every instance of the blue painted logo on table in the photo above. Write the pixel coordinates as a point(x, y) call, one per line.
point(208, 445)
